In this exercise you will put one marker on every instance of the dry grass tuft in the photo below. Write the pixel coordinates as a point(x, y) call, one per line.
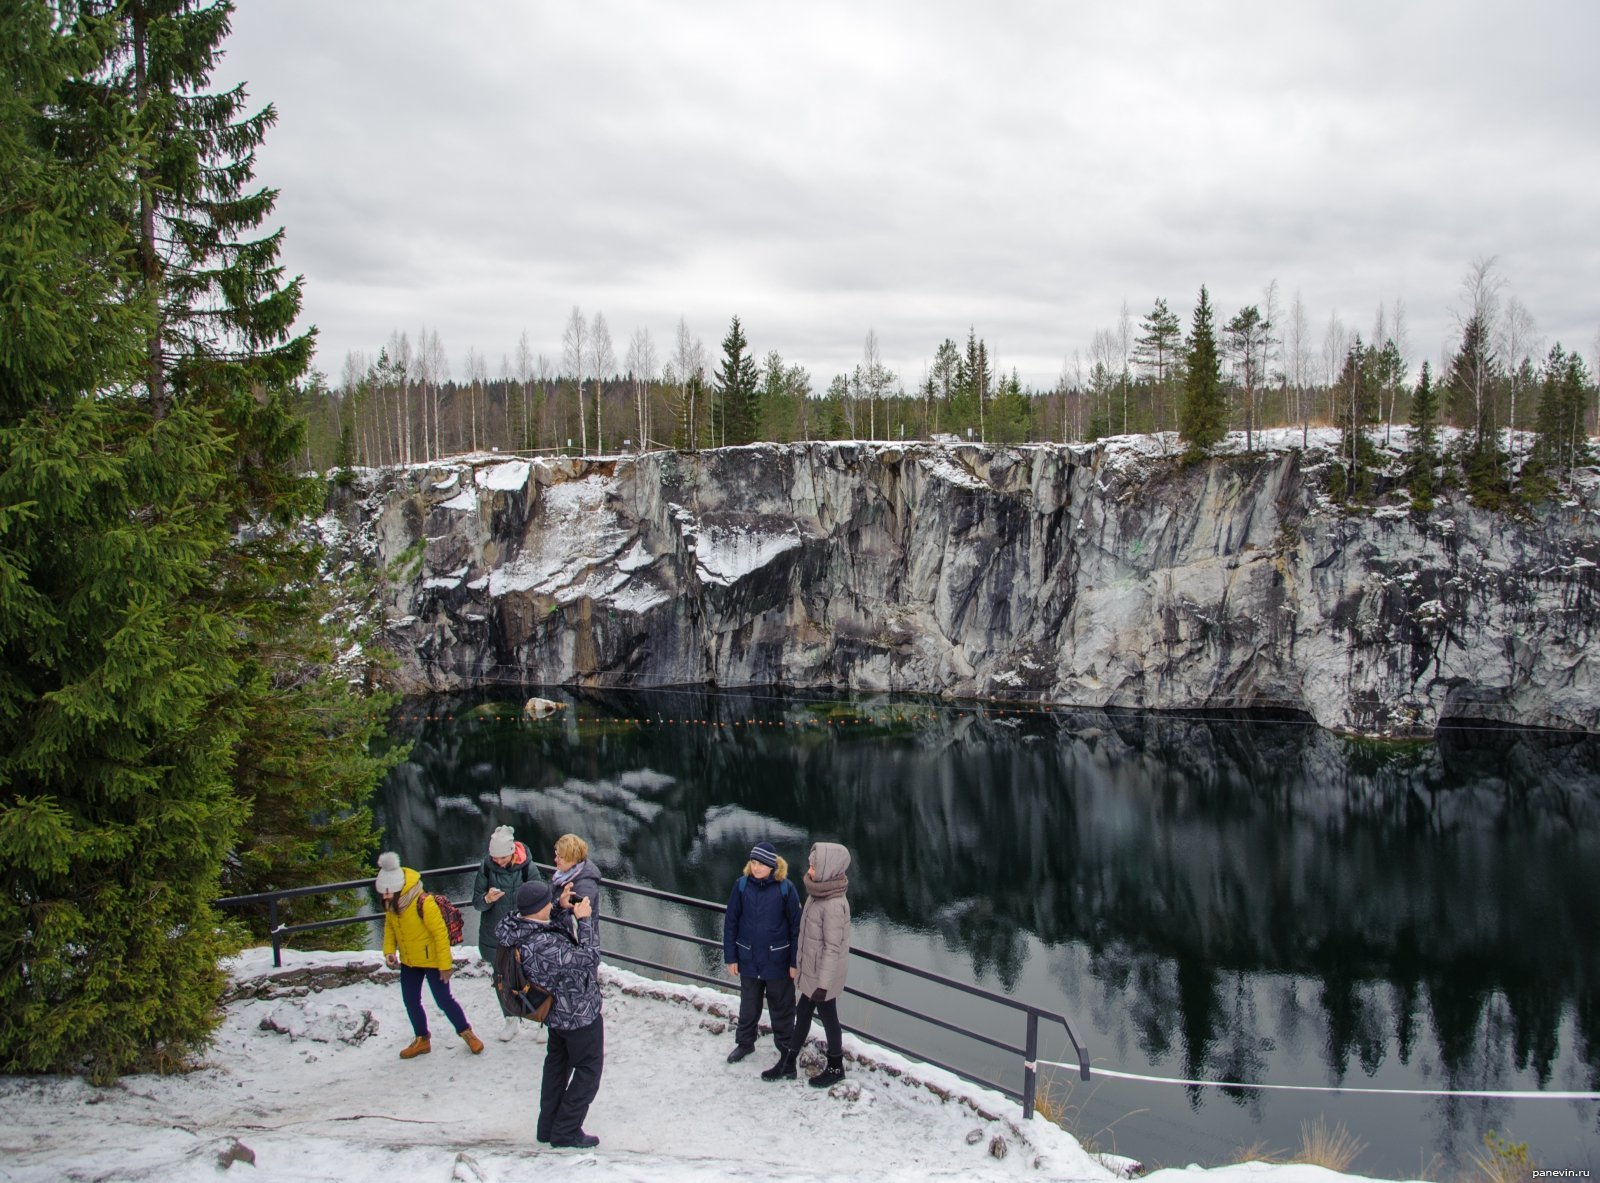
point(1257, 1151)
point(1334, 1148)
point(1055, 1105)
point(1503, 1161)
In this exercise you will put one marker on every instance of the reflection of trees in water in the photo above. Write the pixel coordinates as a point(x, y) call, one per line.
point(1449, 889)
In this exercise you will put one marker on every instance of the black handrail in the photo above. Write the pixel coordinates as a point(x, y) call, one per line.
point(1029, 1051)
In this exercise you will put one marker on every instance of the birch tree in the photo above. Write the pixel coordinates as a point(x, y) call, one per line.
point(1333, 349)
point(524, 375)
point(574, 352)
point(603, 365)
point(642, 366)
point(1518, 342)
point(689, 363)
point(1299, 362)
point(477, 376)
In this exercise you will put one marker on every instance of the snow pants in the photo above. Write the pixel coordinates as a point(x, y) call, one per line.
point(779, 995)
point(572, 1064)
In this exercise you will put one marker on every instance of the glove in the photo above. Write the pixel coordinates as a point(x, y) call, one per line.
point(819, 995)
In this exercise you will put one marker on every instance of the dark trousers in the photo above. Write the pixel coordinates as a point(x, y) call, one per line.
point(829, 1011)
point(572, 1064)
point(411, 979)
point(779, 994)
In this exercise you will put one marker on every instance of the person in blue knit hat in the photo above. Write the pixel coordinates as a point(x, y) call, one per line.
point(760, 933)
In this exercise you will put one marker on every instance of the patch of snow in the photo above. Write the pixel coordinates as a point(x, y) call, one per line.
point(507, 477)
point(450, 579)
point(941, 467)
point(636, 596)
point(576, 533)
point(726, 554)
point(638, 556)
point(467, 499)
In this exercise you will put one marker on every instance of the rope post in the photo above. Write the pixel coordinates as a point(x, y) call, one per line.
point(277, 937)
point(1030, 1077)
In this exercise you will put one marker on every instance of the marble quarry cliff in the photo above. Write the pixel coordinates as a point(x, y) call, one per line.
point(1099, 575)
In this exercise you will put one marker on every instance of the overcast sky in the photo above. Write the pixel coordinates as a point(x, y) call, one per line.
point(915, 168)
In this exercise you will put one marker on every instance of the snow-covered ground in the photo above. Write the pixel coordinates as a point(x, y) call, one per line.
point(303, 1083)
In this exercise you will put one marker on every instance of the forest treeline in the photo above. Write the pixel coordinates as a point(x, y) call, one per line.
point(184, 709)
point(1525, 414)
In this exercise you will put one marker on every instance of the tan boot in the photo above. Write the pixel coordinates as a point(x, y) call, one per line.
point(420, 1046)
point(473, 1041)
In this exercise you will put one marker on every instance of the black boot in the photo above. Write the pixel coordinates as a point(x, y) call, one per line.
point(783, 1069)
point(829, 1076)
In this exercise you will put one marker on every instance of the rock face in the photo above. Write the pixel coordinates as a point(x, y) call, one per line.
point(1096, 575)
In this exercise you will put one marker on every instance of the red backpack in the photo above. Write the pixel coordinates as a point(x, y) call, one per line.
point(453, 923)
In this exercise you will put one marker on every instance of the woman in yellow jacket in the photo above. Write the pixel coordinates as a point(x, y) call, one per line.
point(416, 941)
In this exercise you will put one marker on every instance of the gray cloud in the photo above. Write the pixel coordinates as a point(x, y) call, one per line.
point(918, 168)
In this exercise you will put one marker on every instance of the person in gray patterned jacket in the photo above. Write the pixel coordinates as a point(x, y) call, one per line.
point(575, 1053)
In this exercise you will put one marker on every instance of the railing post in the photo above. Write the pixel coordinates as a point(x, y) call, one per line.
point(1029, 1074)
point(277, 938)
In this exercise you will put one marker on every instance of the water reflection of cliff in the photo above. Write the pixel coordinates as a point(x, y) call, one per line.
point(1228, 885)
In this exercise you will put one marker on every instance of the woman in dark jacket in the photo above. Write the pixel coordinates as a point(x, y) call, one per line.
point(573, 867)
point(505, 868)
point(760, 931)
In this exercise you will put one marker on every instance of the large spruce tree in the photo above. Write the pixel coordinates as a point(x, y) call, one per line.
point(1422, 452)
point(118, 718)
point(736, 410)
point(225, 341)
point(173, 719)
point(1203, 420)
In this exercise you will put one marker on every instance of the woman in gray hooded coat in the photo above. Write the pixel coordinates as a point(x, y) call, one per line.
point(821, 962)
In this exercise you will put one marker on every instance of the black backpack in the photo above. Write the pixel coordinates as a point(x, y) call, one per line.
point(519, 996)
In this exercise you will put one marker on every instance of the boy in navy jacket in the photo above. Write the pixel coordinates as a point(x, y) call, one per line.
point(760, 931)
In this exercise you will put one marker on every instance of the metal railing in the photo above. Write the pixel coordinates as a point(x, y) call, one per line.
point(1029, 1051)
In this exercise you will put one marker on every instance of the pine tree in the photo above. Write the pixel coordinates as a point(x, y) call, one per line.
point(973, 383)
point(1203, 421)
point(1157, 351)
point(1563, 443)
point(1473, 383)
point(1247, 335)
point(735, 406)
point(1422, 453)
point(117, 723)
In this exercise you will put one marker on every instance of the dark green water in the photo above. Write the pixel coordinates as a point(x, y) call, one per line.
point(1203, 899)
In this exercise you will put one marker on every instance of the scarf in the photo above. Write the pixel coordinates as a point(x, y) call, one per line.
point(562, 877)
point(405, 899)
point(828, 888)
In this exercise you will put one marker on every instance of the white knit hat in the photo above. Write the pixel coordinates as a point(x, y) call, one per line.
point(501, 842)
point(390, 876)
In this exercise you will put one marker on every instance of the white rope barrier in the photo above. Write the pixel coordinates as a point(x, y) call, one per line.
point(1329, 1088)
